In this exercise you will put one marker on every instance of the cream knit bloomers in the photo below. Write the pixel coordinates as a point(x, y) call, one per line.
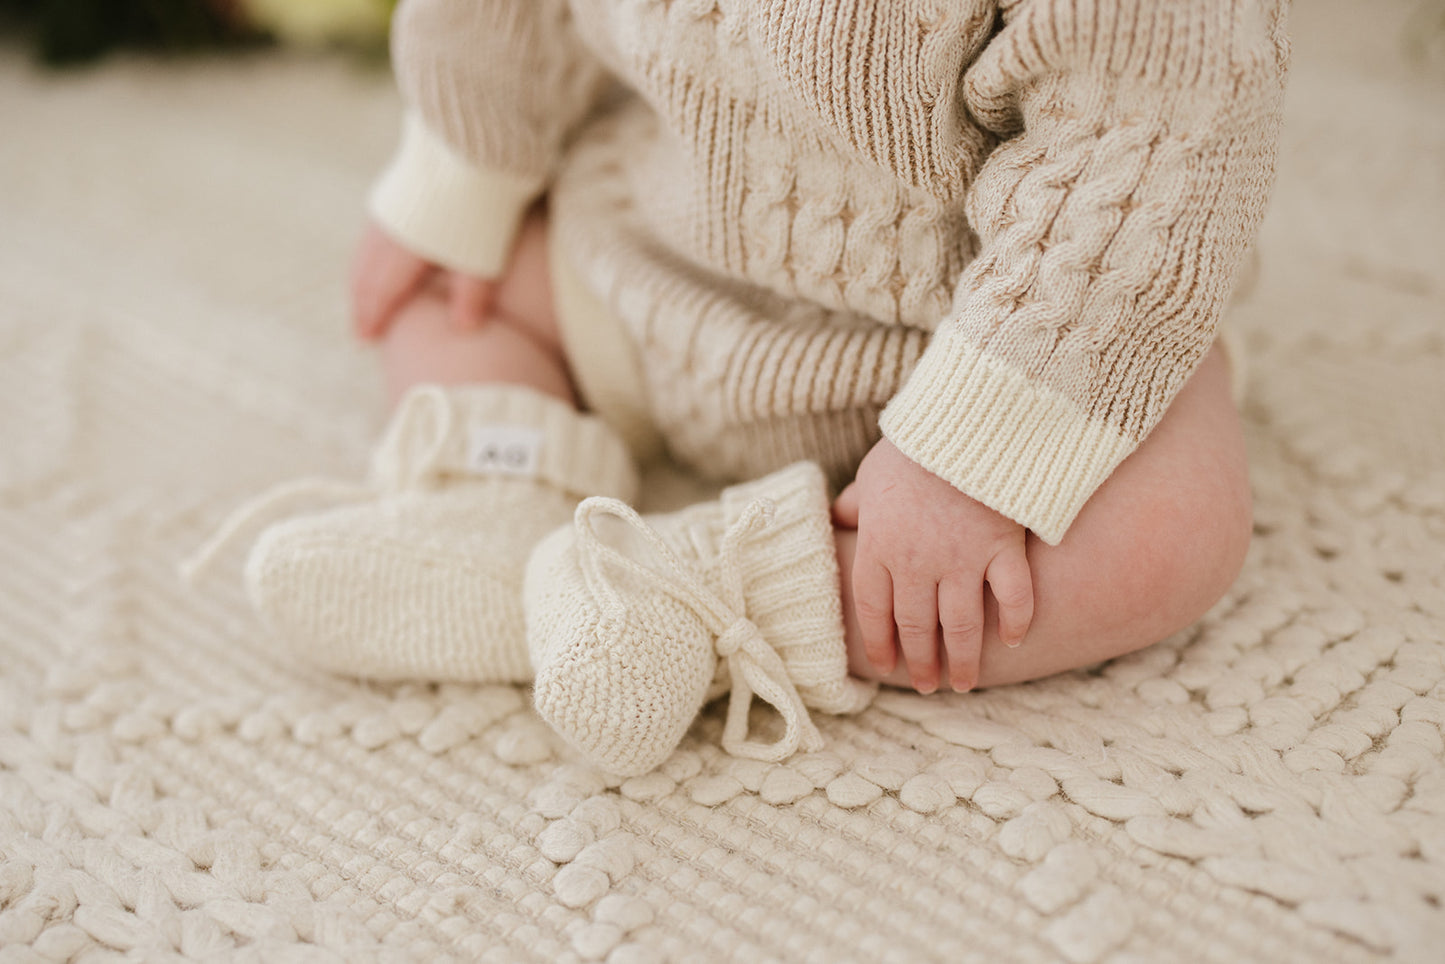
point(734, 380)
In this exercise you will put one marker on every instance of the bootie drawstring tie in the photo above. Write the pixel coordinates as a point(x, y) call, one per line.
point(754, 666)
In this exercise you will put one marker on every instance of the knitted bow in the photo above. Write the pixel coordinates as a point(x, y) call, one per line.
point(411, 450)
point(754, 666)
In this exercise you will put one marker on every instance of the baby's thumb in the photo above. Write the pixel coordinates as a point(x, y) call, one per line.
point(845, 507)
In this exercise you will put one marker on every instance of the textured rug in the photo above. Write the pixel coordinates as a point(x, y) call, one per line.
point(1268, 785)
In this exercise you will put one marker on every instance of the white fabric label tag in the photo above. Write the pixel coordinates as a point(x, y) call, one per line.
point(514, 450)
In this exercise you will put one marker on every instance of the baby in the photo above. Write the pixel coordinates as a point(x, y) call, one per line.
point(966, 258)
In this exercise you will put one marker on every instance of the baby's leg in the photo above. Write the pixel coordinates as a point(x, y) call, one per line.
point(1156, 546)
point(424, 579)
point(519, 344)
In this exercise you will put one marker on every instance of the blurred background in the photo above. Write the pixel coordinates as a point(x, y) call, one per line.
point(73, 32)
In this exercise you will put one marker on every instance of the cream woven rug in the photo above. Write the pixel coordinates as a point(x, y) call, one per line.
point(1269, 785)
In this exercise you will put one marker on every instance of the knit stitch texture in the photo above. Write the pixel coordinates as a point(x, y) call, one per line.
point(420, 575)
point(1266, 786)
point(630, 620)
point(1062, 192)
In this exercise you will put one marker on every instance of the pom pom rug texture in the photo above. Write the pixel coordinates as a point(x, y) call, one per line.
point(1268, 785)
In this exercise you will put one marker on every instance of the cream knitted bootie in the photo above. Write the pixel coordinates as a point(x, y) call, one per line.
point(628, 617)
point(422, 579)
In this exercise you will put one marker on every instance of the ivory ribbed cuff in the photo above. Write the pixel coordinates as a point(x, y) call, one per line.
point(792, 585)
point(1008, 441)
point(575, 452)
point(447, 210)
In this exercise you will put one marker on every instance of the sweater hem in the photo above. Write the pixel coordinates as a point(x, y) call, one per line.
point(1020, 448)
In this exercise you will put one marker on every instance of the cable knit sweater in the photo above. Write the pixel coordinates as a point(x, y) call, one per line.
point(1061, 191)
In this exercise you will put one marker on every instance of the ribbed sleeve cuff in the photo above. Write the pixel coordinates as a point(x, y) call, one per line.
point(447, 210)
point(1018, 447)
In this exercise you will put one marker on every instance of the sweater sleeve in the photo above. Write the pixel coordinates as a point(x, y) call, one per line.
point(1136, 155)
point(492, 89)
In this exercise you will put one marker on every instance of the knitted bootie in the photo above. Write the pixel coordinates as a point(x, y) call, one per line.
point(627, 619)
point(422, 578)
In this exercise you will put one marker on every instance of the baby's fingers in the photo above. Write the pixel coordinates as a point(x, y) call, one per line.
point(960, 613)
point(1012, 584)
point(915, 612)
point(873, 605)
point(384, 276)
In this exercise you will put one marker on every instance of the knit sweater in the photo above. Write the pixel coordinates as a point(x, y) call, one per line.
point(1061, 191)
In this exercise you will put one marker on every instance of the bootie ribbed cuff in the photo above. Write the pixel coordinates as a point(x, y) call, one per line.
point(504, 430)
point(792, 585)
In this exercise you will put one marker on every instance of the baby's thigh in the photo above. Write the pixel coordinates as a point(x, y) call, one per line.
point(1164, 537)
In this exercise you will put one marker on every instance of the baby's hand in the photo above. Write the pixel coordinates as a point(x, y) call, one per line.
point(385, 275)
point(924, 552)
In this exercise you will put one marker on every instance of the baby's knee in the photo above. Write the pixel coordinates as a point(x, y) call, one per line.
point(1184, 555)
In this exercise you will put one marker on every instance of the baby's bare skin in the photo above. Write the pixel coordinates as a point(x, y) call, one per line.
point(1158, 544)
point(924, 566)
point(440, 327)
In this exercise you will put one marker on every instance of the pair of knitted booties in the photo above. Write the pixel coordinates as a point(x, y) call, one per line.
point(469, 558)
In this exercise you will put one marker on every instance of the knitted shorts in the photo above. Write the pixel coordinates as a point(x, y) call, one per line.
point(731, 380)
